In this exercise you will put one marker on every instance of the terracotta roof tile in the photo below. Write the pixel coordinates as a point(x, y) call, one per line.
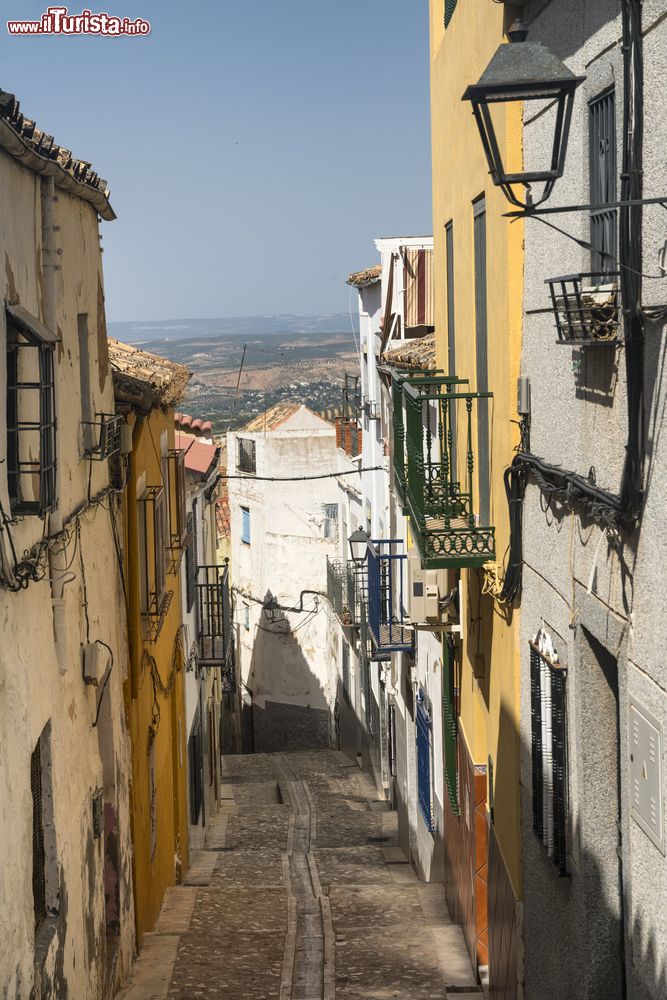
point(418, 354)
point(273, 417)
point(365, 277)
point(145, 381)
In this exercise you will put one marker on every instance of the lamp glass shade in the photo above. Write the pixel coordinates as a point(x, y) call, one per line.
point(522, 72)
point(359, 542)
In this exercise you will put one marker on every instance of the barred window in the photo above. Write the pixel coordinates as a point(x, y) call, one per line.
point(30, 414)
point(549, 755)
point(602, 169)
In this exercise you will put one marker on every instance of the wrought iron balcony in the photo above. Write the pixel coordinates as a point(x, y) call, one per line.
point(587, 308)
point(438, 492)
point(398, 381)
point(387, 618)
point(342, 591)
point(351, 397)
point(215, 636)
point(102, 436)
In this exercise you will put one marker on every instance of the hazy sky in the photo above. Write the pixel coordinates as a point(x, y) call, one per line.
point(254, 148)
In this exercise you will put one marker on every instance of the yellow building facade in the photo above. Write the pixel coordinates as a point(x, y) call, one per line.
point(478, 281)
point(147, 388)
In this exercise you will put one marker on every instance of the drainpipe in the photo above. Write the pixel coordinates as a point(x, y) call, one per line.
point(57, 555)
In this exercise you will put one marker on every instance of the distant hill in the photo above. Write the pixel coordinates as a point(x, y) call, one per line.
point(142, 332)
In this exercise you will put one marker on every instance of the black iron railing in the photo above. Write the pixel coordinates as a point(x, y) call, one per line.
point(215, 637)
point(587, 308)
point(341, 590)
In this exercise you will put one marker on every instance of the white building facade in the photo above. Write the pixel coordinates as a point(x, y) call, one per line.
point(284, 502)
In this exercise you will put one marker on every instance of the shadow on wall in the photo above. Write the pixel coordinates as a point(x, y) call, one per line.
point(573, 924)
point(289, 707)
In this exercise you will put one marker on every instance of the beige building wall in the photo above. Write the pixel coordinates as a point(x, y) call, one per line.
point(43, 696)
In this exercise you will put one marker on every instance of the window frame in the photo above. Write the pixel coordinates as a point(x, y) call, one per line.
point(178, 527)
point(603, 181)
point(153, 538)
point(23, 332)
point(480, 252)
point(246, 455)
point(245, 525)
point(548, 688)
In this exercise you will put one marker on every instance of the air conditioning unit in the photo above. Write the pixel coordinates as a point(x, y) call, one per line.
point(432, 595)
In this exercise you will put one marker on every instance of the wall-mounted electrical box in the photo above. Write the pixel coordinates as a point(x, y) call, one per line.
point(431, 594)
point(646, 772)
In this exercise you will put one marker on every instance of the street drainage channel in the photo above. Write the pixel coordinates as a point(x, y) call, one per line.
point(308, 963)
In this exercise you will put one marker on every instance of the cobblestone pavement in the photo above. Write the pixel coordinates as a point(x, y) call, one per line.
point(302, 893)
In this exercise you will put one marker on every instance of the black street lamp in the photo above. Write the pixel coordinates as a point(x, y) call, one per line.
point(359, 544)
point(524, 71)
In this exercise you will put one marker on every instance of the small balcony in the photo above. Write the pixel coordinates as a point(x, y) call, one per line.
point(215, 637)
point(351, 399)
point(587, 308)
point(387, 615)
point(101, 436)
point(342, 591)
point(437, 476)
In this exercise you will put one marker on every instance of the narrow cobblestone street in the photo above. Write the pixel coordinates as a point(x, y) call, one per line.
point(302, 893)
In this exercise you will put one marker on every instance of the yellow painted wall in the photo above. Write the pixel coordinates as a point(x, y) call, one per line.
point(148, 710)
point(459, 55)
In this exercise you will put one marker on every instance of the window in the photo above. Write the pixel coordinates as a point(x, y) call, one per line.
point(450, 725)
point(602, 170)
point(44, 875)
point(31, 414)
point(153, 536)
point(38, 856)
point(424, 730)
point(191, 562)
point(247, 461)
point(481, 334)
point(451, 338)
point(245, 525)
point(549, 756)
point(87, 405)
point(246, 616)
point(178, 527)
point(196, 761)
point(330, 522)
point(450, 7)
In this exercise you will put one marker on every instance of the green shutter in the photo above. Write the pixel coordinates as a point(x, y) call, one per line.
point(450, 7)
point(451, 727)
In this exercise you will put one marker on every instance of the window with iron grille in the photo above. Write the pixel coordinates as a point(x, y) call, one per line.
point(247, 459)
point(30, 414)
point(549, 756)
point(602, 172)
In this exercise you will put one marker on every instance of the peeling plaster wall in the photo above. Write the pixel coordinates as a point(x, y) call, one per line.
point(599, 604)
point(69, 955)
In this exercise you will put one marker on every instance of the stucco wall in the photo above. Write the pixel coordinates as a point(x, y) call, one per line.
point(87, 745)
point(155, 697)
point(285, 662)
point(459, 55)
point(592, 597)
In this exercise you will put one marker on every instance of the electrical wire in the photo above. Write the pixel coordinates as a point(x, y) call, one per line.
point(301, 479)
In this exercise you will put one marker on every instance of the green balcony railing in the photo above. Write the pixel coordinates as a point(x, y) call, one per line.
point(399, 460)
point(438, 480)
